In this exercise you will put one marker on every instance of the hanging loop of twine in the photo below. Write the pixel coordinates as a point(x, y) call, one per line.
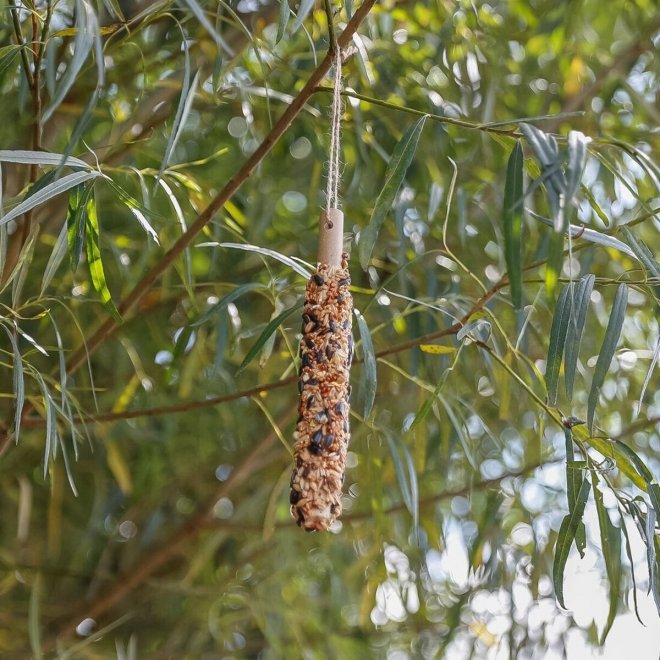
point(332, 190)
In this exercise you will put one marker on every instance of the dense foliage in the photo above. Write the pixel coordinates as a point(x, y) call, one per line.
point(502, 206)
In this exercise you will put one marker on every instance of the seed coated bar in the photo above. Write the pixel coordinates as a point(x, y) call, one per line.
point(322, 431)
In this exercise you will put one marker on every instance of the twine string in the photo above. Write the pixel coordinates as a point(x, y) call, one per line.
point(332, 190)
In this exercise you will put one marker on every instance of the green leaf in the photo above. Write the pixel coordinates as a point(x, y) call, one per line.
point(22, 266)
point(94, 261)
point(396, 171)
point(87, 30)
point(201, 17)
point(55, 259)
point(579, 307)
point(577, 157)
point(266, 333)
point(226, 300)
point(18, 382)
point(368, 379)
point(610, 542)
point(554, 262)
point(567, 531)
point(651, 557)
point(612, 334)
point(406, 475)
point(513, 223)
point(76, 222)
point(557, 342)
point(283, 20)
point(41, 158)
point(48, 192)
point(7, 56)
point(303, 9)
point(292, 263)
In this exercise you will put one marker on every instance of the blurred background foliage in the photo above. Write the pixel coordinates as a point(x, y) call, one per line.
point(144, 493)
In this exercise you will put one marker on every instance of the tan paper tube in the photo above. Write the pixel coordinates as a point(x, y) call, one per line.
point(331, 237)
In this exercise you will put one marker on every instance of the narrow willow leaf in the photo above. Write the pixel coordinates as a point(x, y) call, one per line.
point(137, 209)
point(34, 618)
point(579, 307)
point(573, 476)
point(577, 157)
point(41, 158)
point(183, 108)
point(226, 300)
point(538, 141)
point(553, 263)
point(76, 223)
point(396, 171)
point(201, 17)
point(293, 264)
point(631, 564)
point(303, 10)
point(87, 29)
point(406, 475)
point(565, 539)
point(610, 542)
point(654, 496)
point(636, 461)
point(647, 379)
point(460, 432)
point(18, 382)
point(22, 266)
point(513, 223)
point(55, 259)
point(557, 342)
point(283, 20)
point(437, 349)
point(368, 379)
point(265, 334)
point(642, 252)
point(7, 56)
point(590, 235)
point(651, 557)
point(94, 261)
point(48, 192)
point(612, 334)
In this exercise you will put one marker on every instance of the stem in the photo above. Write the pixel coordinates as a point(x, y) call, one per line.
point(18, 32)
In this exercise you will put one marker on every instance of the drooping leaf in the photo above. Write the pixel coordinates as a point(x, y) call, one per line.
point(579, 307)
point(56, 257)
point(76, 222)
point(18, 382)
point(22, 266)
point(87, 29)
point(557, 342)
point(652, 557)
point(48, 192)
point(94, 261)
point(577, 157)
point(368, 379)
point(303, 10)
point(226, 300)
point(553, 263)
point(7, 56)
point(292, 263)
point(405, 474)
point(396, 171)
point(513, 223)
point(565, 538)
point(201, 17)
point(612, 334)
point(283, 20)
point(610, 542)
point(41, 158)
point(265, 334)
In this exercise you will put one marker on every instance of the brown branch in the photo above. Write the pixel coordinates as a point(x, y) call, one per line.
point(110, 326)
point(187, 406)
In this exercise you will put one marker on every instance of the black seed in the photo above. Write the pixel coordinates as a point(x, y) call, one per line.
point(310, 401)
point(316, 438)
point(299, 463)
point(318, 280)
point(350, 389)
point(346, 324)
point(294, 496)
point(301, 518)
point(340, 299)
point(333, 509)
point(340, 408)
point(344, 281)
point(312, 381)
point(314, 449)
point(306, 362)
point(333, 326)
point(309, 343)
point(329, 352)
point(346, 429)
point(300, 386)
point(321, 417)
point(328, 440)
